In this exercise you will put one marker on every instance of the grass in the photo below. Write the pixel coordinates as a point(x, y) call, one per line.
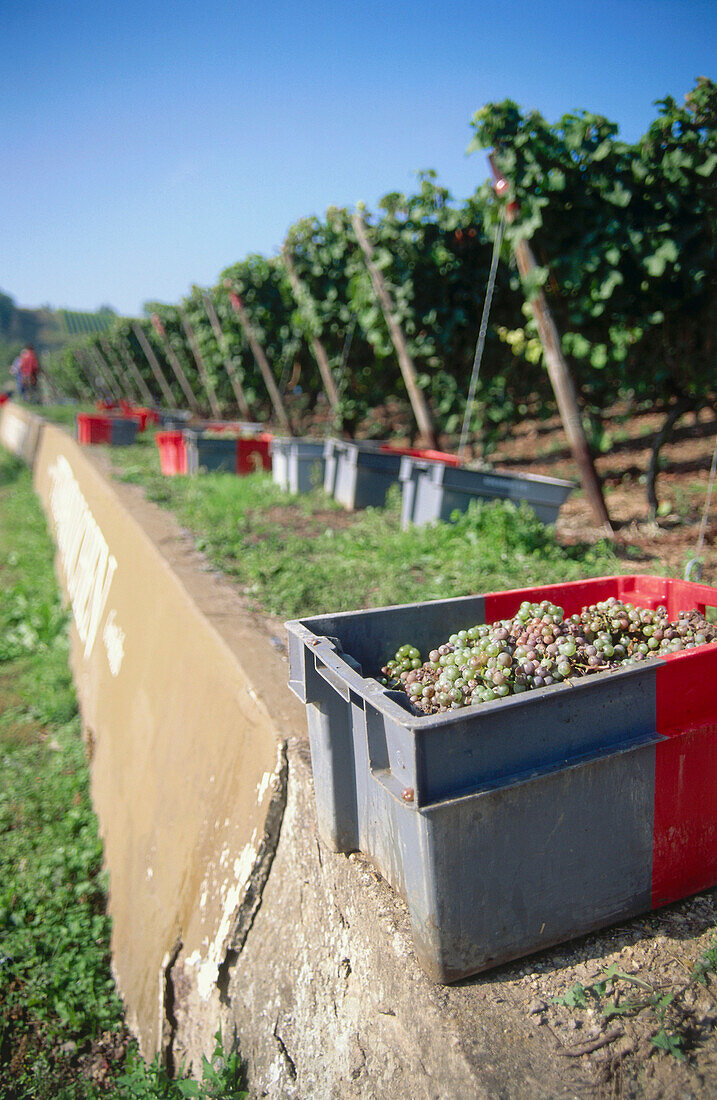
point(304, 555)
point(64, 415)
point(62, 1032)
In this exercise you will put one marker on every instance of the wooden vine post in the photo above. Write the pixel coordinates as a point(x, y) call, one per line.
point(96, 383)
point(144, 390)
point(153, 363)
point(176, 365)
point(408, 369)
point(203, 374)
point(118, 370)
point(322, 359)
point(261, 360)
point(91, 377)
point(558, 372)
point(84, 376)
point(242, 403)
point(53, 388)
point(113, 389)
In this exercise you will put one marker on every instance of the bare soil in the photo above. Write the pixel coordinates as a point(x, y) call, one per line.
point(668, 542)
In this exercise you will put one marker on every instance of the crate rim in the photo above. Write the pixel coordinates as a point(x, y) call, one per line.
point(424, 464)
point(368, 688)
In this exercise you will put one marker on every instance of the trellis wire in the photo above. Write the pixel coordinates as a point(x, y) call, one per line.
point(480, 344)
point(695, 565)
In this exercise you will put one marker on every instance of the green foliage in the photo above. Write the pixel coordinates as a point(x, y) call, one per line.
point(670, 1043)
point(706, 965)
point(625, 242)
point(54, 933)
point(574, 998)
point(325, 257)
point(627, 233)
point(222, 1078)
point(264, 290)
point(76, 323)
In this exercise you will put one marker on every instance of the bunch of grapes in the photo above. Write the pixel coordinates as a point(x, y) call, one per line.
point(539, 646)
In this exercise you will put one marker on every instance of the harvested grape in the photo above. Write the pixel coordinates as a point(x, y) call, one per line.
point(538, 647)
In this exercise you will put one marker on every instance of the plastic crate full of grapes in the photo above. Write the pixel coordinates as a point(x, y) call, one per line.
point(523, 766)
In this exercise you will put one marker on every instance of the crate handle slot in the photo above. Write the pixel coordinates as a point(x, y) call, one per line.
point(335, 680)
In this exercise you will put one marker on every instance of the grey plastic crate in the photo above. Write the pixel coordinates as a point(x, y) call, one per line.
point(174, 418)
point(297, 465)
point(210, 453)
point(358, 475)
point(507, 827)
point(432, 491)
point(123, 431)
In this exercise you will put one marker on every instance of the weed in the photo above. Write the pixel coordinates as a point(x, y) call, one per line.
point(706, 964)
point(666, 1007)
point(222, 1078)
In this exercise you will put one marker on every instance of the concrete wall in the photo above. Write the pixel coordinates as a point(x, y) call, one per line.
point(227, 909)
point(186, 757)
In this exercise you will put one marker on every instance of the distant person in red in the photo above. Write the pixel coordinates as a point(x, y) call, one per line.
point(30, 373)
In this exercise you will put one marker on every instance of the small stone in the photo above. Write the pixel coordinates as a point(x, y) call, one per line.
point(536, 1006)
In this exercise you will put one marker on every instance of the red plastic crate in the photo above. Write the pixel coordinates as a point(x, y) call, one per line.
point(140, 413)
point(253, 453)
point(93, 429)
point(685, 809)
point(428, 455)
point(144, 415)
point(172, 453)
point(218, 427)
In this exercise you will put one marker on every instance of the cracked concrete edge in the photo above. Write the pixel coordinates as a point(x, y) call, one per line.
point(167, 1019)
point(262, 866)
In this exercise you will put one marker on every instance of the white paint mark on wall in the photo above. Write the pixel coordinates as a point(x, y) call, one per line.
point(14, 432)
point(263, 785)
point(209, 968)
point(113, 636)
point(84, 554)
point(162, 986)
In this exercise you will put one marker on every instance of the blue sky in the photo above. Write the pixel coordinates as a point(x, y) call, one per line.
point(146, 146)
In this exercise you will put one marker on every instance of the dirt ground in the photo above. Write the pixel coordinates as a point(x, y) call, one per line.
point(682, 484)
